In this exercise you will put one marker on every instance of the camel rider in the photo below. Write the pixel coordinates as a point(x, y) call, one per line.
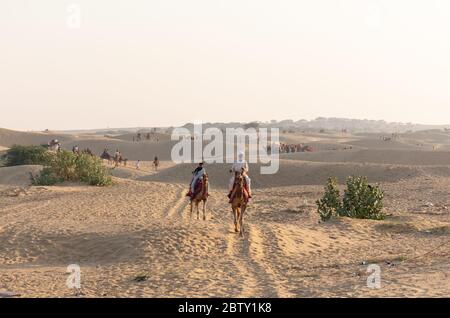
point(197, 175)
point(238, 166)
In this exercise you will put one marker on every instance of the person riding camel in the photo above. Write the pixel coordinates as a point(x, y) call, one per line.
point(76, 150)
point(240, 165)
point(197, 175)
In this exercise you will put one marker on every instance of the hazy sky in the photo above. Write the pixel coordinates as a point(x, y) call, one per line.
point(167, 62)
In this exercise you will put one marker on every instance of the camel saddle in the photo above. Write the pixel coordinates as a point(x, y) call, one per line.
point(197, 189)
point(246, 195)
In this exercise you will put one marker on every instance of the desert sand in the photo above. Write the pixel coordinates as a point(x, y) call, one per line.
point(136, 239)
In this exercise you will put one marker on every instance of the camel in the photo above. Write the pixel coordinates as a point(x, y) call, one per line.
point(123, 160)
point(106, 156)
point(238, 203)
point(201, 196)
point(119, 159)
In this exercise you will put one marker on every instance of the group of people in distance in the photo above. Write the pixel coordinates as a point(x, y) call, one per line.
point(148, 136)
point(76, 150)
point(155, 164)
point(289, 148)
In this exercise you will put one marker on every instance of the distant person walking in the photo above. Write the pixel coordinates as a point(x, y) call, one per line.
point(156, 163)
point(117, 156)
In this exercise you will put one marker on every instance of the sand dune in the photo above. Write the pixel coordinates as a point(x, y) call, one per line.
point(142, 230)
point(380, 144)
point(292, 173)
point(381, 156)
point(145, 150)
point(420, 140)
point(430, 135)
point(11, 137)
point(17, 175)
point(136, 238)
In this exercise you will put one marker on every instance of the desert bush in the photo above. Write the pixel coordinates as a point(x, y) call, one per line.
point(27, 155)
point(64, 165)
point(90, 170)
point(67, 166)
point(60, 166)
point(329, 205)
point(362, 200)
point(46, 177)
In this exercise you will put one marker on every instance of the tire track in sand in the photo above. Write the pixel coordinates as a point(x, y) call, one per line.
point(176, 212)
point(260, 252)
point(257, 281)
point(248, 255)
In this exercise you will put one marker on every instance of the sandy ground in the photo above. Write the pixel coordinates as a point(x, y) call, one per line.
point(136, 239)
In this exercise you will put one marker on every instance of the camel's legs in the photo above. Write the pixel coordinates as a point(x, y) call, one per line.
point(204, 210)
point(236, 218)
point(197, 204)
point(190, 212)
point(241, 223)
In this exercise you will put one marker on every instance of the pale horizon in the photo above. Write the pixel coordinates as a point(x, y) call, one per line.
point(167, 63)
point(207, 122)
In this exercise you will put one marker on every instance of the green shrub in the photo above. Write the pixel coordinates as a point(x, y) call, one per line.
point(60, 166)
point(46, 177)
point(27, 155)
point(361, 200)
point(90, 169)
point(67, 166)
point(330, 204)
